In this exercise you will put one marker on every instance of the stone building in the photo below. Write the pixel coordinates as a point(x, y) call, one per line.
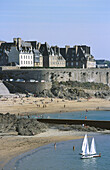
point(34, 54)
point(4, 50)
point(51, 58)
point(20, 53)
point(23, 58)
point(78, 57)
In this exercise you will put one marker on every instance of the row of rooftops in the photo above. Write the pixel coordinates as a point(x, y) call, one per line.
point(45, 48)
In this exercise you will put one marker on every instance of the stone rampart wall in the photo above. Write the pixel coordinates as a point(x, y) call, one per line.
point(48, 75)
point(29, 87)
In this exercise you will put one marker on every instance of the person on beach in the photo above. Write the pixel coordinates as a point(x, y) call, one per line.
point(85, 117)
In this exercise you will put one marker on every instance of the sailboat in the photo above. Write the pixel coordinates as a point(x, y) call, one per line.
point(93, 149)
point(92, 154)
point(85, 149)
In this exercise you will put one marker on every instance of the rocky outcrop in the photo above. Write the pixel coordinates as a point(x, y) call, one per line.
point(29, 127)
point(69, 90)
point(64, 90)
point(73, 90)
point(78, 128)
point(23, 126)
point(102, 94)
point(7, 123)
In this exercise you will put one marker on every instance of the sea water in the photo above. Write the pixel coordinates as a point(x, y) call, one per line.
point(65, 158)
point(91, 115)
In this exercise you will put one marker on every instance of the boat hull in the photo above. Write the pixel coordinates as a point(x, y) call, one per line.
point(87, 157)
point(95, 156)
point(90, 156)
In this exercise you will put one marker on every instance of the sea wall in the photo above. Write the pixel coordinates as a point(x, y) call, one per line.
point(92, 123)
point(64, 74)
point(29, 87)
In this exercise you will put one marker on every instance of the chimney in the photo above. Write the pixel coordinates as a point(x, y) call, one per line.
point(76, 49)
point(15, 41)
point(66, 47)
point(38, 45)
point(55, 50)
point(19, 42)
point(58, 51)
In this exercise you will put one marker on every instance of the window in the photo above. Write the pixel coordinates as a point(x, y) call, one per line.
point(24, 56)
point(71, 63)
point(24, 62)
point(28, 61)
point(28, 57)
point(76, 63)
point(21, 56)
point(21, 62)
point(31, 61)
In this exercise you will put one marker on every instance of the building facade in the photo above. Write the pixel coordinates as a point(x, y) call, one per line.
point(20, 58)
point(34, 54)
point(38, 58)
point(50, 57)
point(78, 57)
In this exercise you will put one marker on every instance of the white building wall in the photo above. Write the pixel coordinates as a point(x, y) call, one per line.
point(26, 59)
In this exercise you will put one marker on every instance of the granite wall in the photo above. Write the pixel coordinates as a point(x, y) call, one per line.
point(48, 75)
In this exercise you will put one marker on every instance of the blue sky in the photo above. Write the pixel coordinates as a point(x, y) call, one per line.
point(59, 22)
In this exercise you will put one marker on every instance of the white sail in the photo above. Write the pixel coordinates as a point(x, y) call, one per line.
point(84, 142)
point(85, 146)
point(93, 148)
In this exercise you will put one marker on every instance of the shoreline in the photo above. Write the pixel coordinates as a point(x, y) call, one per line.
point(13, 146)
point(17, 146)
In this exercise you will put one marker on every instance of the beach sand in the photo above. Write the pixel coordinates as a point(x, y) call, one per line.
point(13, 145)
point(33, 105)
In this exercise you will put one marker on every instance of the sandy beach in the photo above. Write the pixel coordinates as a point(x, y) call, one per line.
point(33, 105)
point(12, 145)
